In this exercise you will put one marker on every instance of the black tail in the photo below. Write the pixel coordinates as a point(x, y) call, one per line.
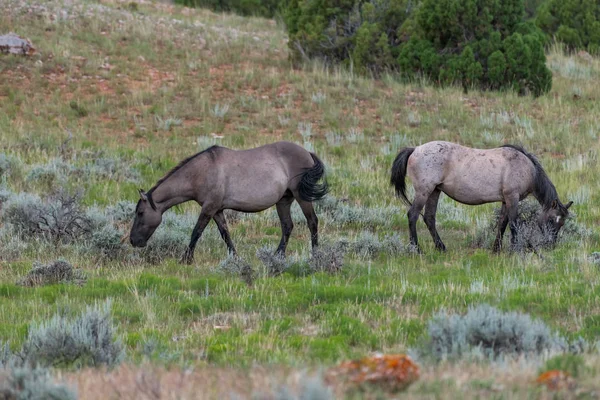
point(309, 187)
point(398, 178)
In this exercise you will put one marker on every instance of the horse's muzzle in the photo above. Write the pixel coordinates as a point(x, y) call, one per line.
point(137, 243)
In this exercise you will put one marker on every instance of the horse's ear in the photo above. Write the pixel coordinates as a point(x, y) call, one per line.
point(554, 204)
point(569, 204)
point(143, 195)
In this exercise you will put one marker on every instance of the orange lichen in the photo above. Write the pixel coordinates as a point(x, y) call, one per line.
point(392, 372)
point(556, 380)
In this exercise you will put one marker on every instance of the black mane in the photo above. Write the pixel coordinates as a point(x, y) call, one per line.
point(211, 151)
point(543, 189)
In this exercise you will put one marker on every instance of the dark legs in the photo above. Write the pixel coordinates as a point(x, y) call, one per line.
point(512, 206)
point(311, 220)
point(502, 223)
point(283, 210)
point(413, 217)
point(203, 220)
point(508, 215)
point(219, 218)
point(285, 217)
point(429, 218)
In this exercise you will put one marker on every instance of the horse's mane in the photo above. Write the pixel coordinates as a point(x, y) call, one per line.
point(211, 151)
point(543, 189)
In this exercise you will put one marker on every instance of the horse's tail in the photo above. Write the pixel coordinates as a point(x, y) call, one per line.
point(309, 187)
point(398, 178)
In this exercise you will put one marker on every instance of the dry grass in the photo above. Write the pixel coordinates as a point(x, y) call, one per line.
point(513, 380)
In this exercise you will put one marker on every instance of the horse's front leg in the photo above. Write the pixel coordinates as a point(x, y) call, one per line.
point(203, 220)
point(502, 223)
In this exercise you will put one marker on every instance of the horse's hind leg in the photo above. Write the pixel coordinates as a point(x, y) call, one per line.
point(219, 218)
point(429, 218)
point(502, 223)
point(285, 217)
point(311, 220)
point(512, 206)
point(203, 220)
point(413, 217)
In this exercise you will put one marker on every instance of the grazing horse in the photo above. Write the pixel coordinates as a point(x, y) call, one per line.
point(249, 181)
point(474, 176)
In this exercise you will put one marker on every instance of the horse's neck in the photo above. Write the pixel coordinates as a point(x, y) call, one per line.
point(166, 196)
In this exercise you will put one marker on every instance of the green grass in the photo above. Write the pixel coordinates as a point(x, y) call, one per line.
point(111, 86)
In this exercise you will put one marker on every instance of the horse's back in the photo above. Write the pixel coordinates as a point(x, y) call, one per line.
point(255, 179)
point(469, 175)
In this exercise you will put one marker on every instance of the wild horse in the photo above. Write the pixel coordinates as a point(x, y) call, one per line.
point(474, 176)
point(250, 181)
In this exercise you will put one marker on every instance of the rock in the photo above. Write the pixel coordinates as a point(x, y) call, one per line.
point(14, 44)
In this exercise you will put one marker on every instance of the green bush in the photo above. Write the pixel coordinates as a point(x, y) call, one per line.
point(475, 43)
point(262, 8)
point(364, 33)
point(576, 23)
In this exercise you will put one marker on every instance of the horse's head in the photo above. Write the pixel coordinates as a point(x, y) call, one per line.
point(147, 219)
point(554, 217)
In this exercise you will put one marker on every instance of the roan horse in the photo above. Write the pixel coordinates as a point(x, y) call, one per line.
point(252, 180)
point(473, 176)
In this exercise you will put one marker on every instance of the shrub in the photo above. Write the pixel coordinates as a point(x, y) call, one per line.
point(276, 264)
point(236, 265)
point(447, 41)
point(106, 242)
point(89, 340)
point(26, 383)
point(530, 237)
point(328, 258)
point(263, 8)
point(363, 33)
point(491, 333)
point(52, 174)
point(111, 168)
point(368, 244)
point(60, 218)
point(490, 28)
point(56, 272)
point(122, 211)
point(340, 213)
point(576, 23)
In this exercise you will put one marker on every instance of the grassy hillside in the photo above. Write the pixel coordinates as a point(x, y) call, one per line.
point(119, 92)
